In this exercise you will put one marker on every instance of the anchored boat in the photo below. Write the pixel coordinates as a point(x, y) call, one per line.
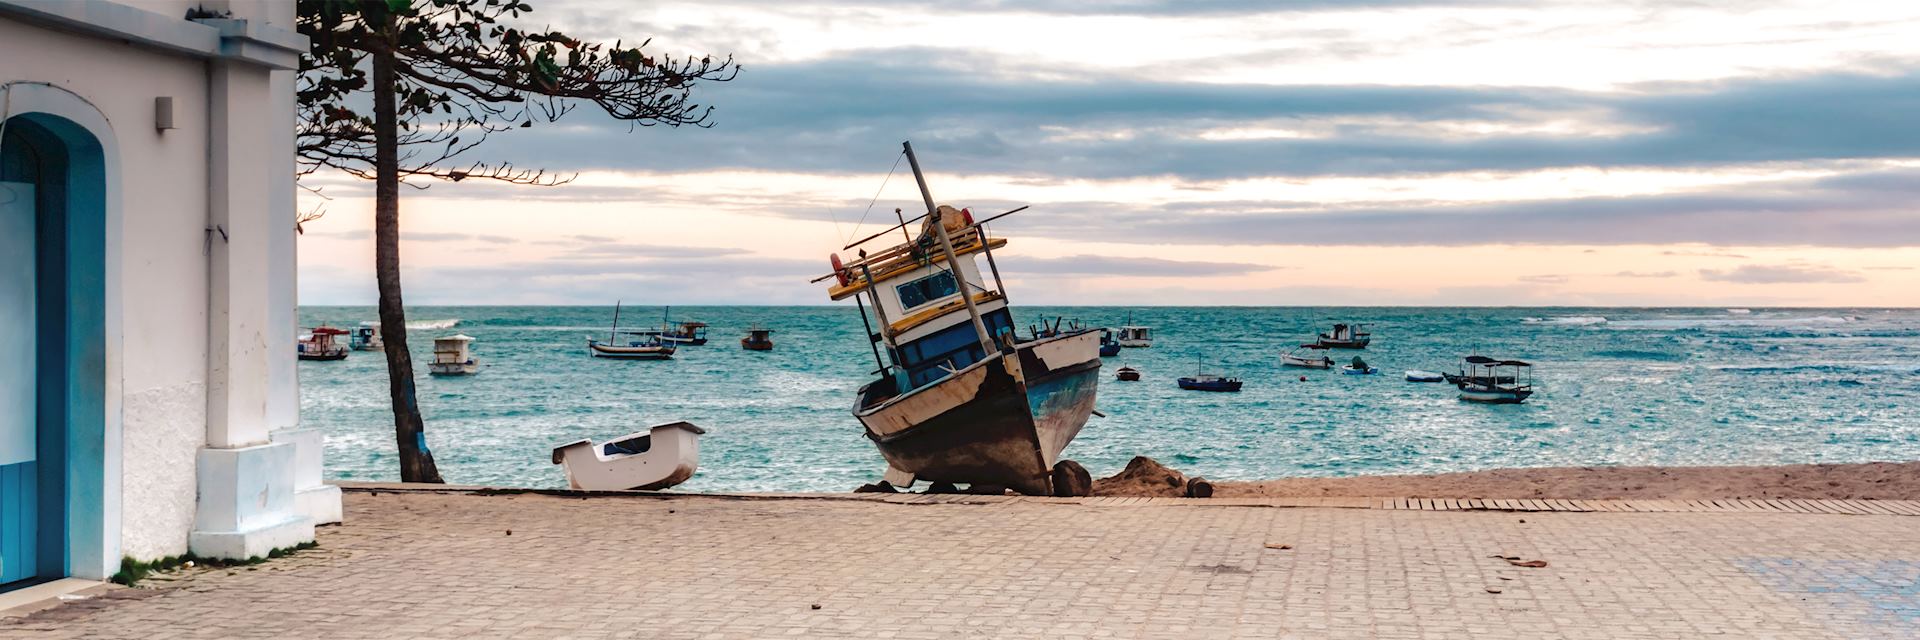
point(321, 344)
point(1109, 347)
point(1134, 336)
point(1127, 374)
point(661, 457)
point(1203, 381)
point(453, 356)
point(758, 339)
point(1482, 381)
point(649, 349)
point(685, 332)
point(366, 337)
point(1345, 336)
point(958, 397)
point(1314, 357)
point(1358, 368)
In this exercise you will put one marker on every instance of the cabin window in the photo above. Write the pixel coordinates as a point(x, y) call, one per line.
point(925, 290)
point(927, 359)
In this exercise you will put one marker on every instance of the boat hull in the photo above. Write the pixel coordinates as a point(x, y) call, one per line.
point(756, 346)
point(1109, 349)
point(598, 350)
point(670, 455)
point(1001, 421)
point(1303, 363)
point(1344, 344)
point(1136, 344)
point(325, 356)
point(1485, 395)
point(1349, 370)
point(453, 368)
point(1200, 385)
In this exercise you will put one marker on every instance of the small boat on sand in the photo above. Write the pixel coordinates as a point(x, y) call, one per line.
point(1345, 336)
point(660, 457)
point(1203, 381)
point(1127, 374)
point(1482, 381)
point(321, 344)
point(649, 349)
point(1417, 375)
point(959, 396)
point(1307, 356)
point(453, 356)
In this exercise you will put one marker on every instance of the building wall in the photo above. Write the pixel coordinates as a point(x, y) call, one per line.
point(163, 266)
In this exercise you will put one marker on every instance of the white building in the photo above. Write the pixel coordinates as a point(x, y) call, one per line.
point(148, 401)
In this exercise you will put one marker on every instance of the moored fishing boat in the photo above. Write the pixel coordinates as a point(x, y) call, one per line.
point(1315, 357)
point(1109, 347)
point(758, 339)
point(959, 398)
point(321, 344)
point(453, 356)
point(1127, 374)
point(1416, 375)
point(1482, 381)
point(1358, 368)
point(1345, 336)
point(366, 337)
point(1203, 381)
point(1134, 336)
point(648, 349)
point(684, 332)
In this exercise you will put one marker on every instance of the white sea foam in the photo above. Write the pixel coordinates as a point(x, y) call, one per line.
point(1739, 312)
point(1572, 320)
point(421, 324)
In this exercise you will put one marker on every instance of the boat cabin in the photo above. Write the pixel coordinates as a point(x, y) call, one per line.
point(758, 339)
point(1136, 336)
point(924, 321)
point(453, 355)
point(365, 337)
point(1495, 381)
point(322, 344)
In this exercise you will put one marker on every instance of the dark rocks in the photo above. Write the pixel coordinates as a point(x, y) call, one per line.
point(1143, 477)
point(1070, 480)
point(877, 487)
point(943, 488)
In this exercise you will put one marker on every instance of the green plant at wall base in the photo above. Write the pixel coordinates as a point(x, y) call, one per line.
point(133, 571)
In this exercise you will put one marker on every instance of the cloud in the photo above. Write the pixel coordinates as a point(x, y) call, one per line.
point(1702, 254)
point(1780, 274)
point(1545, 279)
point(414, 236)
point(1646, 274)
point(1089, 265)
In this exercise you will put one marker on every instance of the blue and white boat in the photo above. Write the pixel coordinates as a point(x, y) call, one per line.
point(1109, 347)
point(958, 396)
point(1358, 368)
point(1482, 381)
point(1203, 381)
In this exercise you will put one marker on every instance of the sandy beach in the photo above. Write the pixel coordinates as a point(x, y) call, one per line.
point(1874, 480)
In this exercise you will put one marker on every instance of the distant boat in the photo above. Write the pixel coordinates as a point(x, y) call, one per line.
point(1345, 336)
point(1313, 359)
point(649, 349)
point(453, 356)
point(1127, 374)
point(320, 345)
point(1135, 336)
point(1109, 347)
point(366, 337)
point(685, 332)
point(758, 339)
point(1358, 368)
point(661, 457)
point(1483, 375)
point(1203, 381)
point(1417, 375)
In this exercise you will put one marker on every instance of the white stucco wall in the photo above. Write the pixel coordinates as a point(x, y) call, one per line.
point(163, 271)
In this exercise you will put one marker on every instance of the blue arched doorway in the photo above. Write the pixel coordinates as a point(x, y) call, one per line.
point(52, 356)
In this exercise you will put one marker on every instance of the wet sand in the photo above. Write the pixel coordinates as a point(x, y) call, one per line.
point(1875, 480)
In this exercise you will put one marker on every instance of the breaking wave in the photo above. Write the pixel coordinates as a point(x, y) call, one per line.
point(1570, 320)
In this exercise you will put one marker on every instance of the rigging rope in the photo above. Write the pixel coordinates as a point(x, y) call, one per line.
point(876, 196)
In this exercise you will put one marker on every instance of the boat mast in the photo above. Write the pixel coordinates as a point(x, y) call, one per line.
point(946, 246)
point(614, 333)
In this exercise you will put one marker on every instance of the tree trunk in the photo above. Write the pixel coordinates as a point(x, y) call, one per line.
point(409, 430)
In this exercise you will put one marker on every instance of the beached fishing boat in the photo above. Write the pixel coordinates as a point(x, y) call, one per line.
point(658, 458)
point(758, 339)
point(959, 398)
point(1127, 374)
point(453, 356)
point(366, 337)
point(1307, 356)
point(1483, 374)
point(649, 349)
point(1345, 336)
point(322, 344)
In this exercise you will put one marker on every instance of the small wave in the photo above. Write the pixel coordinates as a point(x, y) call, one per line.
point(1570, 320)
point(1637, 354)
point(1739, 312)
point(420, 324)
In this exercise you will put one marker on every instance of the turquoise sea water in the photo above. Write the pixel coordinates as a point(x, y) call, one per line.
point(1615, 387)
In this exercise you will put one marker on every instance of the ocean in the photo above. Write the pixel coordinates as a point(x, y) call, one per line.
point(1614, 387)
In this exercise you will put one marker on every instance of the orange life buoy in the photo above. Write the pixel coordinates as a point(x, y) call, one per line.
point(840, 271)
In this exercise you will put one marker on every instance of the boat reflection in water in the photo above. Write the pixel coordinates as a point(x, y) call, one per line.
point(958, 396)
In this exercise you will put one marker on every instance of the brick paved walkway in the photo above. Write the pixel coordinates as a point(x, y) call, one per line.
point(431, 565)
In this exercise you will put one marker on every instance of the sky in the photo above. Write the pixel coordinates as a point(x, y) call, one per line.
point(1211, 152)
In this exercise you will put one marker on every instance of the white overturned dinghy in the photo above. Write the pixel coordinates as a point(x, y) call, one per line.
point(663, 456)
